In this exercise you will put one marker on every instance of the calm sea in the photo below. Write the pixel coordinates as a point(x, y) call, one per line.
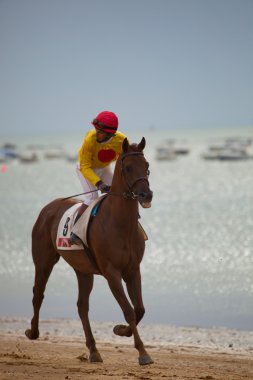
point(198, 263)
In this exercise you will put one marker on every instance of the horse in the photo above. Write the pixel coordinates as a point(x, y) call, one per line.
point(116, 244)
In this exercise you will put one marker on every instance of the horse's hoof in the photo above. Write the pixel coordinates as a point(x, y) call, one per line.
point(122, 330)
point(95, 358)
point(31, 335)
point(145, 359)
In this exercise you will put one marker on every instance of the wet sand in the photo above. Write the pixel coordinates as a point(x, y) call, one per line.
point(64, 357)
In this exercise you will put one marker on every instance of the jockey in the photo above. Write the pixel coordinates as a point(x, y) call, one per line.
point(101, 146)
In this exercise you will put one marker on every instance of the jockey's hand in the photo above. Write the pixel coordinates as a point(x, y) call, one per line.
point(102, 187)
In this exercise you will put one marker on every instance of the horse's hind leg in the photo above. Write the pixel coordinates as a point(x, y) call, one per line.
point(85, 285)
point(44, 263)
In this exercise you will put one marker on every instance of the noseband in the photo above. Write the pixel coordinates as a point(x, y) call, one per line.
point(131, 194)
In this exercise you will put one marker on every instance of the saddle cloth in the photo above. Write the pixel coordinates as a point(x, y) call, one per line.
point(66, 226)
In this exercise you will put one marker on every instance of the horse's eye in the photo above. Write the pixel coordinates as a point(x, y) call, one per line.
point(128, 168)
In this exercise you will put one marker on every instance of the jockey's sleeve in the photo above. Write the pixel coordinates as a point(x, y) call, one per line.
point(85, 157)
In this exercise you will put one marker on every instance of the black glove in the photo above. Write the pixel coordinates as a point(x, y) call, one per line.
point(102, 187)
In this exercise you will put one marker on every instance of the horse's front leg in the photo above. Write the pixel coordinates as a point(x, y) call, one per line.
point(133, 284)
point(85, 285)
point(115, 284)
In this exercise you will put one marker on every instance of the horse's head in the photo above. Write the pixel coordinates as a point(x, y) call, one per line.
point(135, 172)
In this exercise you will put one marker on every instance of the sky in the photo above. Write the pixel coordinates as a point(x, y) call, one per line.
point(155, 63)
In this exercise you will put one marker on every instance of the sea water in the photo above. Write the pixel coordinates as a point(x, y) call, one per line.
point(198, 263)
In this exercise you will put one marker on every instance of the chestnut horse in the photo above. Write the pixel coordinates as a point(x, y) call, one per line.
point(115, 242)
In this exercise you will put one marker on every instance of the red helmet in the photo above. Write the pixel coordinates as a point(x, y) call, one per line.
point(107, 121)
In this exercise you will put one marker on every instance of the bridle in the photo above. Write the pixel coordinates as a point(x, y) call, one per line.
point(130, 194)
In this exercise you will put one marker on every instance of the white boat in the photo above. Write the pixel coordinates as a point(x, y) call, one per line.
point(226, 155)
point(54, 153)
point(28, 156)
point(233, 154)
point(165, 153)
point(181, 150)
point(178, 147)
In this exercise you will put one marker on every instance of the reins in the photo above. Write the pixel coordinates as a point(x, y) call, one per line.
point(126, 194)
point(76, 195)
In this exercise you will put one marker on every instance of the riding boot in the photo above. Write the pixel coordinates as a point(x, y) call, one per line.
point(80, 211)
point(74, 239)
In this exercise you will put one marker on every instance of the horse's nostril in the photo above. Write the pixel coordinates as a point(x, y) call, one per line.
point(144, 195)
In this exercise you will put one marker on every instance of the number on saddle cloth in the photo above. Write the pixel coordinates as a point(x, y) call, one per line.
point(66, 227)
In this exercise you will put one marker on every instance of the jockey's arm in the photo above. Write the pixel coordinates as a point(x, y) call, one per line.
point(85, 159)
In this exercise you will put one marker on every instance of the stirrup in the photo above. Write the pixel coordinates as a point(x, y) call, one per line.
point(75, 240)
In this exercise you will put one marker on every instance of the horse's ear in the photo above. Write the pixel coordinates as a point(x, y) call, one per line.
point(142, 144)
point(125, 145)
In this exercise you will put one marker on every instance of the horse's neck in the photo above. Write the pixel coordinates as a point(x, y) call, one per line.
point(123, 210)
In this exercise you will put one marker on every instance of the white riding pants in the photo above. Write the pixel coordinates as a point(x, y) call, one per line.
point(105, 174)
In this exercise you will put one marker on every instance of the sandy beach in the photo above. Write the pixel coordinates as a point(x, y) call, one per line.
point(59, 354)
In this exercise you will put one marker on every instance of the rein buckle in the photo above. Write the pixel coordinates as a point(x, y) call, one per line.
point(130, 195)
